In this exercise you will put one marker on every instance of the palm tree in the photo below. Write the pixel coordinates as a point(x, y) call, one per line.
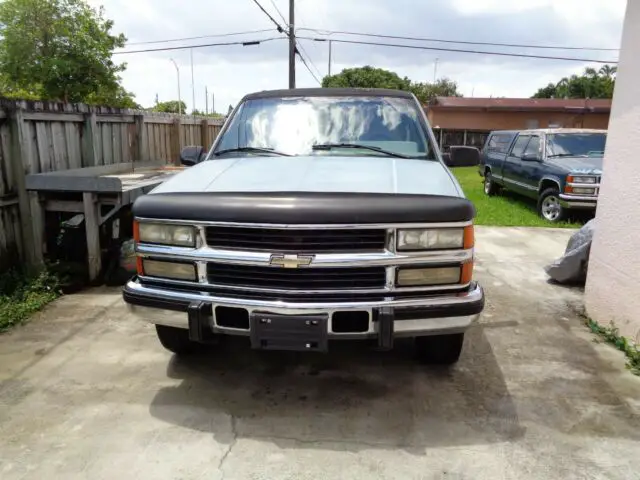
point(590, 72)
point(608, 71)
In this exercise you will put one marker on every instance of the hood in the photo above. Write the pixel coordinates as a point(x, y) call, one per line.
point(582, 165)
point(317, 173)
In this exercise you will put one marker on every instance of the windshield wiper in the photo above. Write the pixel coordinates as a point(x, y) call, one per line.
point(250, 149)
point(329, 146)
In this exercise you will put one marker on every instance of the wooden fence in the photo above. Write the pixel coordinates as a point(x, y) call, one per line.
point(38, 137)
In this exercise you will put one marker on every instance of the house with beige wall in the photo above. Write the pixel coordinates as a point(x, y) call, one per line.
point(613, 292)
point(468, 121)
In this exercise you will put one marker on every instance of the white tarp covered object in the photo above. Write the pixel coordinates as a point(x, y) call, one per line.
point(572, 266)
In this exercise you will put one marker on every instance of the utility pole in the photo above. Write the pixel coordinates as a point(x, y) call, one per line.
point(435, 70)
point(193, 84)
point(292, 45)
point(213, 101)
point(179, 98)
point(206, 100)
point(330, 44)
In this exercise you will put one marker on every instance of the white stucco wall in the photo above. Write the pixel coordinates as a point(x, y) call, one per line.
point(613, 282)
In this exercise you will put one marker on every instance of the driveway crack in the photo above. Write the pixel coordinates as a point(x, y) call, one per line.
point(234, 440)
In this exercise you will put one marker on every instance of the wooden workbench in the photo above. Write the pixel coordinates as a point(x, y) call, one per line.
point(89, 191)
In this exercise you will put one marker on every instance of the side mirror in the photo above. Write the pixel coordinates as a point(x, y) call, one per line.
point(191, 155)
point(460, 156)
point(530, 157)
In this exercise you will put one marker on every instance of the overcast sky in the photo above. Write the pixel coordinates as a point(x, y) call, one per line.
point(232, 71)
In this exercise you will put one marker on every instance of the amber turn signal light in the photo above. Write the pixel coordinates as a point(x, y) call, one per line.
point(468, 239)
point(467, 272)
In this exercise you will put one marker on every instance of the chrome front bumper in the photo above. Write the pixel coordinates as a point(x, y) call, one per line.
point(427, 315)
point(576, 201)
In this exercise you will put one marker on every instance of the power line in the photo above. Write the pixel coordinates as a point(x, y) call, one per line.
point(185, 47)
point(301, 47)
point(284, 20)
point(442, 49)
point(199, 37)
point(304, 62)
point(280, 29)
point(438, 40)
point(302, 50)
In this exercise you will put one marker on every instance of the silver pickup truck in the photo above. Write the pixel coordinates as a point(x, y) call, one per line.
point(317, 215)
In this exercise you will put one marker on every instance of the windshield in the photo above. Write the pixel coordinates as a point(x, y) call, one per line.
point(576, 144)
point(334, 125)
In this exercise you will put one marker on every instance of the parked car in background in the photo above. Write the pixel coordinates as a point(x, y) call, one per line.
point(560, 168)
point(317, 215)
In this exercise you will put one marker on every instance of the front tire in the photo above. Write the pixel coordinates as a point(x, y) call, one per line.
point(440, 349)
point(490, 187)
point(549, 206)
point(176, 340)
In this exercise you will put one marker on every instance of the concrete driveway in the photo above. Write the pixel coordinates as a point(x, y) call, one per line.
point(87, 393)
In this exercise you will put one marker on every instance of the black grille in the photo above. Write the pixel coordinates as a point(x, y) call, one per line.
point(298, 241)
point(296, 278)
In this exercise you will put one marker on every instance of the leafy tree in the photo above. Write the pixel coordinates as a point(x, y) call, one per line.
point(9, 90)
point(60, 50)
point(366, 77)
point(370, 77)
point(172, 106)
point(443, 87)
point(591, 84)
point(113, 97)
point(199, 113)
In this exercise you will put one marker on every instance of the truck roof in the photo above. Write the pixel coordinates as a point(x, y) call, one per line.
point(552, 130)
point(329, 92)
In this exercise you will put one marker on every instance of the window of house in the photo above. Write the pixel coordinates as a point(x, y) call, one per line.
point(452, 138)
point(476, 139)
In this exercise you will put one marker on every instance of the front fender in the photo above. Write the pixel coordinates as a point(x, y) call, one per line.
point(552, 178)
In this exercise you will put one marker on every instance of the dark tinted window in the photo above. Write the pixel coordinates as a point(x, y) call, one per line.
point(520, 145)
point(499, 143)
point(534, 146)
point(575, 144)
point(294, 125)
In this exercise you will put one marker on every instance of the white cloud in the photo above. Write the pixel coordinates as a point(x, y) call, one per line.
point(230, 72)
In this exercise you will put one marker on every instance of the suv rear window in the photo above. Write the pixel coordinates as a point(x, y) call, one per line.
point(499, 143)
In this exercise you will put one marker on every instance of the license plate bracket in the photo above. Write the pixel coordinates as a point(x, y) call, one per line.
point(273, 331)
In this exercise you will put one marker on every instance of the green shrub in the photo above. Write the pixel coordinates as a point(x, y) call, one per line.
point(612, 335)
point(22, 295)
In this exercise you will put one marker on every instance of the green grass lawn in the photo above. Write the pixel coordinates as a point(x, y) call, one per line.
point(506, 209)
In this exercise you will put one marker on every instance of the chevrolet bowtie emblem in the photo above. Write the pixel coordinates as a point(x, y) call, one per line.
point(291, 261)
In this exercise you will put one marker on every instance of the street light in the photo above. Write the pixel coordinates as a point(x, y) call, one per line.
point(179, 98)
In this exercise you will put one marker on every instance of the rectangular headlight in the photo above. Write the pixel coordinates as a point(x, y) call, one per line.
point(413, 277)
point(173, 270)
point(430, 239)
point(582, 179)
point(178, 235)
point(583, 191)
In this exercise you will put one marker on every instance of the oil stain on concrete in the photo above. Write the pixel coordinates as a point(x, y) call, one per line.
point(88, 393)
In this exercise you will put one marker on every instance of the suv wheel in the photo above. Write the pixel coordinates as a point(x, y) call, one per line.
point(549, 206)
point(440, 349)
point(176, 340)
point(490, 187)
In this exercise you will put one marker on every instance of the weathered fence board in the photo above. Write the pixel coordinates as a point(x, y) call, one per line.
point(55, 136)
